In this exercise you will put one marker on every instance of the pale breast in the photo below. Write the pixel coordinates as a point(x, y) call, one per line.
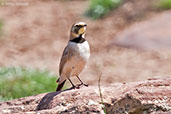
point(80, 56)
point(82, 50)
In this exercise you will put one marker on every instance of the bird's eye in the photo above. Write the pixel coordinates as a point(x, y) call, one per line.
point(76, 29)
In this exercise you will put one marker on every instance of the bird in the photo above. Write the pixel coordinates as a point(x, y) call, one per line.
point(75, 56)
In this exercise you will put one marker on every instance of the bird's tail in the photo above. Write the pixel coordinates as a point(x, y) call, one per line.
point(60, 86)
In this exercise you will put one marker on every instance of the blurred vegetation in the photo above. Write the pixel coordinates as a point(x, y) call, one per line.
point(99, 8)
point(16, 82)
point(164, 4)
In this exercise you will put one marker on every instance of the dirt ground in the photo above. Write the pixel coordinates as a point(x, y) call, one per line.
point(35, 36)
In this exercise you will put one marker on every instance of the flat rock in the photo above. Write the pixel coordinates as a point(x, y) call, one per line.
point(152, 96)
point(154, 33)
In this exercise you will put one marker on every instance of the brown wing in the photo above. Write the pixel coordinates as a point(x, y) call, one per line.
point(65, 57)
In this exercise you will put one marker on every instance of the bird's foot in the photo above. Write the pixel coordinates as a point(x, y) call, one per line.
point(83, 84)
point(75, 87)
point(78, 86)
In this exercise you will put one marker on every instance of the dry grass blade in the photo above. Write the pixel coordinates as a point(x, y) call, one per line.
point(101, 95)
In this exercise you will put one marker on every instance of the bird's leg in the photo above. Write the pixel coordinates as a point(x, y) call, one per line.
point(73, 86)
point(81, 81)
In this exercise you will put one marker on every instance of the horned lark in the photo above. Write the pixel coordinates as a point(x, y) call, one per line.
point(75, 55)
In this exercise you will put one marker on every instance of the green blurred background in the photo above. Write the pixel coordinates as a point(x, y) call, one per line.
point(16, 82)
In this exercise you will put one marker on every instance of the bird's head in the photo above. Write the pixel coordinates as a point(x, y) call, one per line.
point(77, 30)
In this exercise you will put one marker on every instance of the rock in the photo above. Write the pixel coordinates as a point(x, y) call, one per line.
point(154, 33)
point(152, 96)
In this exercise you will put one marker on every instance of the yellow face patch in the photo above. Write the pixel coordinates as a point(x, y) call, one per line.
point(81, 30)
